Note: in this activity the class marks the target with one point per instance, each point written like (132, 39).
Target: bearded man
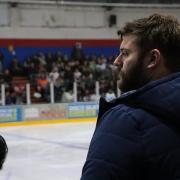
(137, 136)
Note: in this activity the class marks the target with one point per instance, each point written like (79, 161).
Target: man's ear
(154, 59)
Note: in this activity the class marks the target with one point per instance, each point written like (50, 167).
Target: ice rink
(46, 152)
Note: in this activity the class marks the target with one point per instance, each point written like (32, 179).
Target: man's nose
(118, 61)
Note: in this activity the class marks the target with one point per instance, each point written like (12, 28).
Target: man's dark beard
(135, 78)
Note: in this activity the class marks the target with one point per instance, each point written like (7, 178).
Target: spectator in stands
(77, 52)
(49, 60)
(16, 68)
(101, 64)
(92, 66)
(29, 69)
(87, 95)
(7, 77)
(42, 85)
(68, 76)
(10, 96)
(42, 59)
(53, 75)
(110, 95)
(137, 136)
(77, 75)
(58, 88)
(67, 96)
(3, 151)
(89, 82)
(1, 63)
(94, 97)
(19, 90)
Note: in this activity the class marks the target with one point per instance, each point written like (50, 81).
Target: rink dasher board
(48, 113)
(44, 122)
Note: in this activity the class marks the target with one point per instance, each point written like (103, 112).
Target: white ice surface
(46, 152)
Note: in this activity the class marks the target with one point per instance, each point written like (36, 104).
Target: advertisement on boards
(82, 110)
(10, 114)
(45, 112)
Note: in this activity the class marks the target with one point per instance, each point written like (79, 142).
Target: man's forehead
(128, 41)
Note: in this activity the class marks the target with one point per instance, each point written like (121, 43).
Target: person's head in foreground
(137, 135)
(3, 151)
(150, 49)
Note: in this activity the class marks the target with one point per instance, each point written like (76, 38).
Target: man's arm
(115, 148)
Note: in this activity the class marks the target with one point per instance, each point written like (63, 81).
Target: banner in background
(10, 114)
(45, 112)
(82, 110)
(42, 112)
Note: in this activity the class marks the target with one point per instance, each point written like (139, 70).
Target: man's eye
(124, 54)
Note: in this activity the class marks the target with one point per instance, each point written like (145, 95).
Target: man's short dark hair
(157, 31)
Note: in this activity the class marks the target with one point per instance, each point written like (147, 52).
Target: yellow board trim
(50, 121)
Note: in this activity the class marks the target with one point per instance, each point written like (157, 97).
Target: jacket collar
(134, 98)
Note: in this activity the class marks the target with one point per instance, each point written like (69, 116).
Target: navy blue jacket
(137, 136)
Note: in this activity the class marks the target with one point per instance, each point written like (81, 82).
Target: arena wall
(32, 28)
(51, 21)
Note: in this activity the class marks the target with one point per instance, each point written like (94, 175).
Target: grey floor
(46, 152)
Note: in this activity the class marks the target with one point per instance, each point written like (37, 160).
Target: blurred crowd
(61, 70)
